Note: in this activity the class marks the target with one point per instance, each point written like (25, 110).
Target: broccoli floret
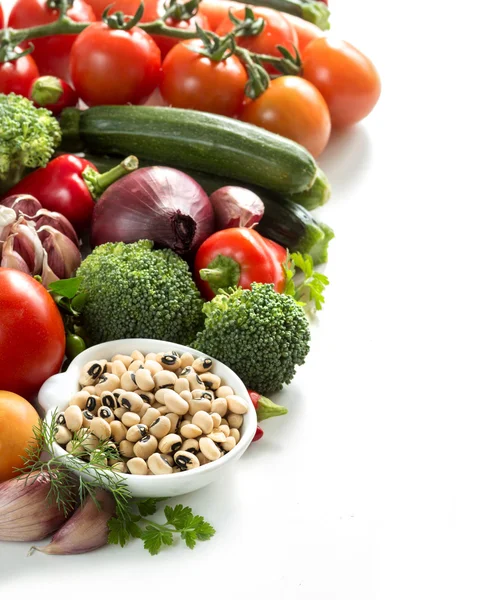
(135, 291)
(258, 333)
(28, 138)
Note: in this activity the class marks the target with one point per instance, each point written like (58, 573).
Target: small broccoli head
(135, 291)
(28, 137)
(260, 334)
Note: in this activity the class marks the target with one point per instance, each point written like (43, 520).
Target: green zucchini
(284, 221)
(189, 139)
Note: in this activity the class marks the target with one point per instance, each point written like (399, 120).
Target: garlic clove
(28, 244)
(23, 204)
(26, 514)
(48, 275)
(86, 530)
(54, 219)
(63, 255)
(7, 219)
(12, 259)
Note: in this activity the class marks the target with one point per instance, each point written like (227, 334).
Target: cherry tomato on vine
(17, 76)
(51, 53)
(294, 108)
(128, 7)
(306, 32)
(52, 93)
(1, 17)
(191, 80)
(277, 32)
(216, 10)
(112, 66)
(167, 43)
(346, 78)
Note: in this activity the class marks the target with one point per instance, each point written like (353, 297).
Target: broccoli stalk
(28, 138)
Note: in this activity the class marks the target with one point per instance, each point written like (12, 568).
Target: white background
(373, 487)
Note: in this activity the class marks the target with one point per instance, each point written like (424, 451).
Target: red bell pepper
(264, 407)
(258, 434)
(238, 257)
(69, 185)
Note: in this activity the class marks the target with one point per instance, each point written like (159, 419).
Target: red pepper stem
(98, 182)
(221, 273)
(47, 90)
(265, 408)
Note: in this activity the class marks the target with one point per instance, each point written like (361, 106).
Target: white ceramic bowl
(58, 390)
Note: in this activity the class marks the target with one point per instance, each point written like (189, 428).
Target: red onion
(155, 203)
(236, 207)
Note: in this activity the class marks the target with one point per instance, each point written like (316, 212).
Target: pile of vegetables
(186, 220)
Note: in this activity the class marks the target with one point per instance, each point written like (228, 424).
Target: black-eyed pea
(137, 355)
(147, 397)
(90, 389)
(151, 356)
(150, 416)
(170, 362)
(62, 435)
(169, 458)
(107, 399)
(127, 381)
(108, 367)
(186, 395)
(137, 466)
(223, 391)
(60, 419)
(145, 447)
(204, 421)
(87, 418)
(153, 366)
(119, 412)
(176, 469)
(217, 436)
(210, 380)
(235, 433)
(91, 372)
(175, 403)
(143, 409)
(136, 365)
(202, 459)
(116, 394)
(163, 410)
(123, 358)
(209, 448)
(118, 431)
(184, 422)
(234, 420)
(225, 429)
(181, 385)
(186, 360)
(137, 432)
(107, 383)
(202, 365)
(220, 406)
(216, 417)
(186, 460)
(98, 458)
(79, 399)
(106, 413)
(119, 467)
(126, 448)
(100, 428)
(228, 444)
(174, 421)
(93, 403)
(170, 443)
(159, 465)
(195, 382)
(165, 380)
(131, 401)
(190, 445)
(237, 405)
(118, 368)
(199, 404)
(224, 421)
(160, 396)
(90, 442)
(74, 417)
(160, 427)
(75, 448)
(129, 419)
(144, 380)
(190, 431)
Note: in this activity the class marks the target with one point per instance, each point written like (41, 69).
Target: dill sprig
(68, 486)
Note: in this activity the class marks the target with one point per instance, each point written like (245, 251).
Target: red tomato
(17, 76)
(345, 77)
(216, 10)
(32, 339)
(294, 108)
(306, 32)
(51, 53)
(191, 80)
(1, 17)
(167, 43)
(128, 7)
(111, 66)
(277, 32)
(52, 93)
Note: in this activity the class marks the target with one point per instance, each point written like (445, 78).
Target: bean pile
(159, 413)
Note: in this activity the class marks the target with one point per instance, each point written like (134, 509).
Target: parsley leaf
(154, 538)
(178, 516)
(118, 532)
(304, 284)
(148, 506)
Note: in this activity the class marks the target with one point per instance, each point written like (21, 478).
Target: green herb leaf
(66, 287)
(154, 538)
(118, 532)
(179, 516)
(148, 506)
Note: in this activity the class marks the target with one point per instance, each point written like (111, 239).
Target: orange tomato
(216, 10)
(294, 108)
(306, 32)
(346, 78)
(17, 419)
